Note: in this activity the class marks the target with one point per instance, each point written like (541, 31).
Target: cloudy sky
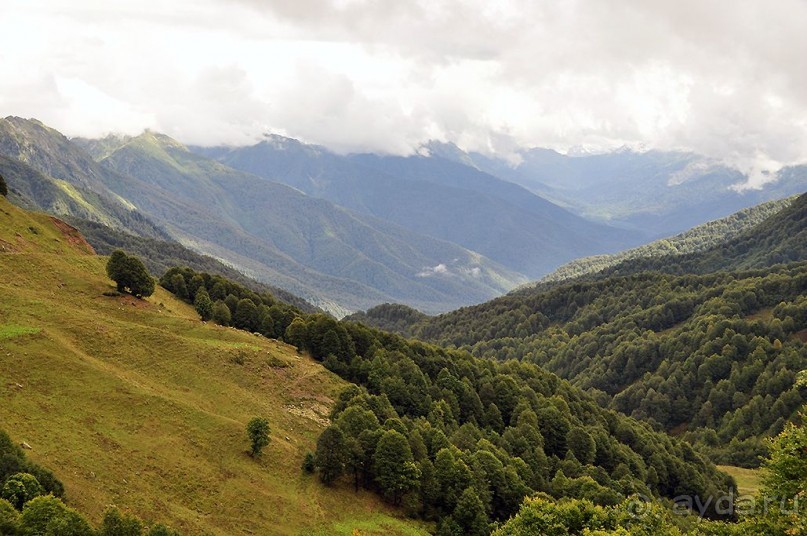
(726, 78)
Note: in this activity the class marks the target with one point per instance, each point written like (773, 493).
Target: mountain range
(437, 197)
(659, 192)
(437, 230)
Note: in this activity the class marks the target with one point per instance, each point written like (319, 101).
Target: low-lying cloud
(725, 79)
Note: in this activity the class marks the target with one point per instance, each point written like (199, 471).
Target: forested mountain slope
(696, 239)
(137, 403)
(450, 436)
(713, 355)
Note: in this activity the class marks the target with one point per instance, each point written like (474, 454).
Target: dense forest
(458, 438)
(710, 355)
(778, 509)
(713, 355)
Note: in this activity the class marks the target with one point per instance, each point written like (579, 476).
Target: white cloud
(440, 269)
(727, 79)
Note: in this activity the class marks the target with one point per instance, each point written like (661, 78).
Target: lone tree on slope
(258, 432)
(130, 274)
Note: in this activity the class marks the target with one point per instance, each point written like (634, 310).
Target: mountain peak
(447, 150)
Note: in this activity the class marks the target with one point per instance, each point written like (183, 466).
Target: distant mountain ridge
(660, 192)
(697, 239)
(332, 257)
(778, 239)
(437, 197)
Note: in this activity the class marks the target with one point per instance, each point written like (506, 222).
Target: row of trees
(463, 439)
(229, 303)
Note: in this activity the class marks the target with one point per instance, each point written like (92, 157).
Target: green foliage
(786, 468)
(470, 514)
(21, 488)
(9, 518)
(130, 274)
(331, 454)
(246, 315)
(48, 516)
(394, 466)
(203, 304)
(117, 524)
(3, 187)
(777, 511)
(309, 463)
(430, 401)
(235, 304)
(713, 356)
(220, 313)
(258, 433)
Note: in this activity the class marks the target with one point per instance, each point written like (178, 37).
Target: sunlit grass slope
(139, 404)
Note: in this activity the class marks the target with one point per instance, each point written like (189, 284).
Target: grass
(139, 404)
(11, 331)
(749, 481)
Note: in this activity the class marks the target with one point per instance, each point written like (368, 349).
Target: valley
(622, 375)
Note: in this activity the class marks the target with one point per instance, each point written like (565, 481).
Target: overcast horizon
(725, 80)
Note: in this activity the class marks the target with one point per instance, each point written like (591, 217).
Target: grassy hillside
(161, 255)
(138, 404)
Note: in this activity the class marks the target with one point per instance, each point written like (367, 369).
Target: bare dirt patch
(73, 236)
(7, 247)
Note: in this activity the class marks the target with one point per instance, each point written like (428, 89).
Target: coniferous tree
(3, 187)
